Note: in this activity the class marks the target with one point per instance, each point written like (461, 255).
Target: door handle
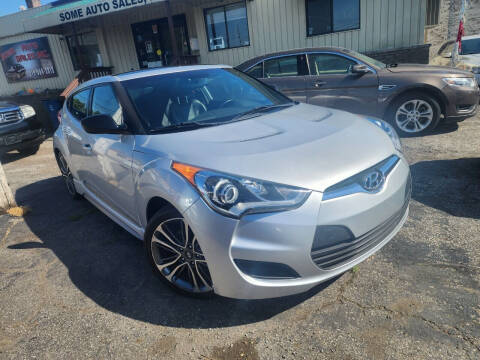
(87, 148)
(319, 83)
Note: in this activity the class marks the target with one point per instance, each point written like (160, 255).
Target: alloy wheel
(179, 258)
(66, 174)
(414, 116)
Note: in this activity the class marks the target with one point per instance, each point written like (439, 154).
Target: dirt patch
(241, 350)
(163, 346)
(407, 306)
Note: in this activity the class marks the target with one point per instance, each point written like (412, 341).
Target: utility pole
(460, 32)
(7, 200)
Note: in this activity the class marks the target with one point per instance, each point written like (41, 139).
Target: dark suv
(20, 129)
(411, 97)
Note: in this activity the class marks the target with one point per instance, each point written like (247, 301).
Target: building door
(152, 41)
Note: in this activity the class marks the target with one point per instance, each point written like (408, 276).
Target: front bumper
(462, 104)
(21, 134)
(286, 237)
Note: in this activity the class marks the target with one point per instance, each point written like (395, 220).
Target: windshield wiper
(185, 126)
(259, 110)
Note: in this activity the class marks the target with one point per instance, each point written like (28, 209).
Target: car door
(331, 83)
(287, 75)
(109, 167)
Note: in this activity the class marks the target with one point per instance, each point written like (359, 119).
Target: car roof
(245, 65)
(146, 73)
(471, 37)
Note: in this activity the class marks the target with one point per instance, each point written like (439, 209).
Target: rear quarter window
(78, 104)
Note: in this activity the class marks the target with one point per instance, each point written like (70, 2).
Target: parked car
(234, 188)
(410, 97)
(20, 129)
(468, 58)
(15, 72)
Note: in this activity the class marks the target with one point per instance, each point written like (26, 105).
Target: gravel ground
(75, 285)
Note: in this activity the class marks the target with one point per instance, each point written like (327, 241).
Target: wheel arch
(157, 187)
(156, 204)
(421, 88)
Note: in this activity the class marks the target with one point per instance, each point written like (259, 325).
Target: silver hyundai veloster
(234, 188)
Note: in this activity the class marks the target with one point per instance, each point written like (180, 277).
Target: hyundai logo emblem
(373, 181)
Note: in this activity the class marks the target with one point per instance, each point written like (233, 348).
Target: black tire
(411, 122)
(67, 176)
(180, 265)
(29, 151)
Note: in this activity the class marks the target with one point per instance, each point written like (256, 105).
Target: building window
(88, 53)
(227, 26)
(328, 16)
(433, 10)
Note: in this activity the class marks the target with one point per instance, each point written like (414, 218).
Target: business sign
(98, 8)
(27, 60)
(62, 12)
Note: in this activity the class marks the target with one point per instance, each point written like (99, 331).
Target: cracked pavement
(75, 285)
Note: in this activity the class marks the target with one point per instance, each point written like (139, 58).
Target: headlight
(461, 82)
(27, 111)
(390, 132)
(236, 195)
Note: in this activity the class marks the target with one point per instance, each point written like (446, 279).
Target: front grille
(10, 116)
(345, 250)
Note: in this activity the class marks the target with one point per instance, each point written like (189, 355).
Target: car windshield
(199, 97)
(366, 59)
(470, 46)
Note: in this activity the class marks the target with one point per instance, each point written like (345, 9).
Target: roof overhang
(63, 12)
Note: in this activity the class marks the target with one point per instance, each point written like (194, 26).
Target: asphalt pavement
(74, 285)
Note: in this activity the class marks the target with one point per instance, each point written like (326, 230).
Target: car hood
(427, 69)
(6, 105)
(306, 146)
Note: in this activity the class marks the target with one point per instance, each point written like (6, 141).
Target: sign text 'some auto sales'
(27, 60)
(98, 9)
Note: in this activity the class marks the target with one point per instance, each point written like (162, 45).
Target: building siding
(277, 25)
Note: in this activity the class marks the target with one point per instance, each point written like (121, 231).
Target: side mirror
(102, 124)
(359, 69)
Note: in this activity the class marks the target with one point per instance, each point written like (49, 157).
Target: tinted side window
(326, 64)
(256, 71)
(104, 102)
(78, 104)
(293, 65)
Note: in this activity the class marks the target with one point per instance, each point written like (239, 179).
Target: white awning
(64, 12)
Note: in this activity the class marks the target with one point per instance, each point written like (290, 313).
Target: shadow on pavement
(12, 156)
(444, 127)
(109, 266)
(452, 186)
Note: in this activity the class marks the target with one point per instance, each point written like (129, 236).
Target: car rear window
(78, 104)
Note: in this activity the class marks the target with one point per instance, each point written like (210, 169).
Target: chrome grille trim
(10, 116)
(352, 184)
